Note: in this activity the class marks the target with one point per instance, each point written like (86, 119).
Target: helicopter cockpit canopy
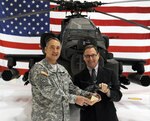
(77, 33)
(80, 23)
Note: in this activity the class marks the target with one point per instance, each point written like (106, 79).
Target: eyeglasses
(92, 56)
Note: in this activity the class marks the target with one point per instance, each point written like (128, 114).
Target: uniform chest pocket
(64, 79)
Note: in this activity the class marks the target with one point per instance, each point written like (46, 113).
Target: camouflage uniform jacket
(52, 91)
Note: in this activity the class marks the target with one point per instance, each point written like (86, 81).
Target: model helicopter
(77, 31)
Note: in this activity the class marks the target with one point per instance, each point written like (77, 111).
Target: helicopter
(77, 31)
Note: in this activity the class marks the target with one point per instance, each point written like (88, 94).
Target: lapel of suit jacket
(87, 76)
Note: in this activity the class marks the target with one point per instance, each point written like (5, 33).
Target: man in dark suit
(108, 87)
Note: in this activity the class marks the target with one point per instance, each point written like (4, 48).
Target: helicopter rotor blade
(101, 2)
(129, 21)
(34, 13)
(123, 1)
(29, 13)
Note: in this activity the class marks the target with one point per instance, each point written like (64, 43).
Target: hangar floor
(15, 103)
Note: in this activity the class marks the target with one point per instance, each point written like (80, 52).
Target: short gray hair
(51, 38)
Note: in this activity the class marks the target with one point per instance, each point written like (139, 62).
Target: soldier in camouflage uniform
(52, 87)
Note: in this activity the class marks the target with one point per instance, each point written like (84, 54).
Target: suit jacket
(105, 109)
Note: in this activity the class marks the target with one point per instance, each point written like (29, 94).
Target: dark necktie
(93, 76)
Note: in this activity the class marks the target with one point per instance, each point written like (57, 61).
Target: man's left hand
(104, 87)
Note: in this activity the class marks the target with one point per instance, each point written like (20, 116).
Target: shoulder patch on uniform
(44, 73)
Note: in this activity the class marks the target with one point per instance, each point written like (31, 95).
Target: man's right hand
(80, 100)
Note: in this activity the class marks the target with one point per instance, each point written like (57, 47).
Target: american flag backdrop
(22, 35)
